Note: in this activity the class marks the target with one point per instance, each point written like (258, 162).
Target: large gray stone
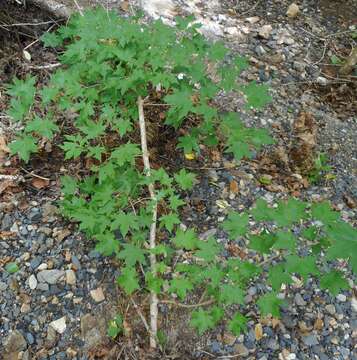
(50, 276)
(15, 342)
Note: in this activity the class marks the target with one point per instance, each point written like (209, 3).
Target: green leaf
(185, 179)
(180, 286)
(125, 222)
(132, 254)
(115, 327)
(269, 304)
(241, 272)
(310, 233)
(323, 212)
(238, 324)
(304, 266)
(262, 212)
(231, 294)
(290, 212)
(128, 280)
(208, 250)
(278, 276)
(169, 221)
(175, 202)
(69, 185)
(74, 147)
(186, 239)
(93, 129)
(188, 143)
(239, 149)
(125, 154)
(44, 127)
(181, 105)
(24, 147)
(217, 51)
(262, 243)
(11, 267)
(257, 95)
(344, 243)
(202, 321)
(51, 39)
(285, 240)
(153, 283)
(107, 243)
(235, 225)
(334, 282)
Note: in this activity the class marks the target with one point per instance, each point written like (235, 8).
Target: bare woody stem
(147, 169)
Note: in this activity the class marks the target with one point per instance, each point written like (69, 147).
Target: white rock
(70, 277)
(354, 304)
(293, 11)
(97, 294)
(59, 325)
(322, 81)
(252, 20)
(42, 266)
(265, 31)
(232, 30)
(341, 297)
(158, 8)
(32, 282)
(50, 276)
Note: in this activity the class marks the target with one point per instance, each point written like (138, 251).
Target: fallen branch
(147, 169)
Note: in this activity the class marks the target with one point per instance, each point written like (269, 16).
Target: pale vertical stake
(147, 169)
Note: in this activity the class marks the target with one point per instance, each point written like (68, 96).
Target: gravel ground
(57, 305)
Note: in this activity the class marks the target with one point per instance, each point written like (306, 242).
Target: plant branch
(188, 306)
(153, 296)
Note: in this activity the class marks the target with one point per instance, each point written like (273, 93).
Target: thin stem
(188, 306)
(153, 296)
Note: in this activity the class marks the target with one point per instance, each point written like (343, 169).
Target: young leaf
(290, 212)
(186, 239)
(185, 179)
(262, 243)
(322, 211)
(24, 147)
(208, 250)
(202, 321)
(344, 243)
(125, 153)
(238, 324)
(334, 282)
(278, 276)
(115, 327)
(175, 202)
(304, 266)
(125, 222)
(132, 254)
(231, 294)
(285, 240)
(44, 127)
(69, 185)
(153, 283)
(180, 286)
(236, 225)
(262, 212)
(128, 280)
(169, 221)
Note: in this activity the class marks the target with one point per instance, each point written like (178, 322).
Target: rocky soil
(57, 305)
